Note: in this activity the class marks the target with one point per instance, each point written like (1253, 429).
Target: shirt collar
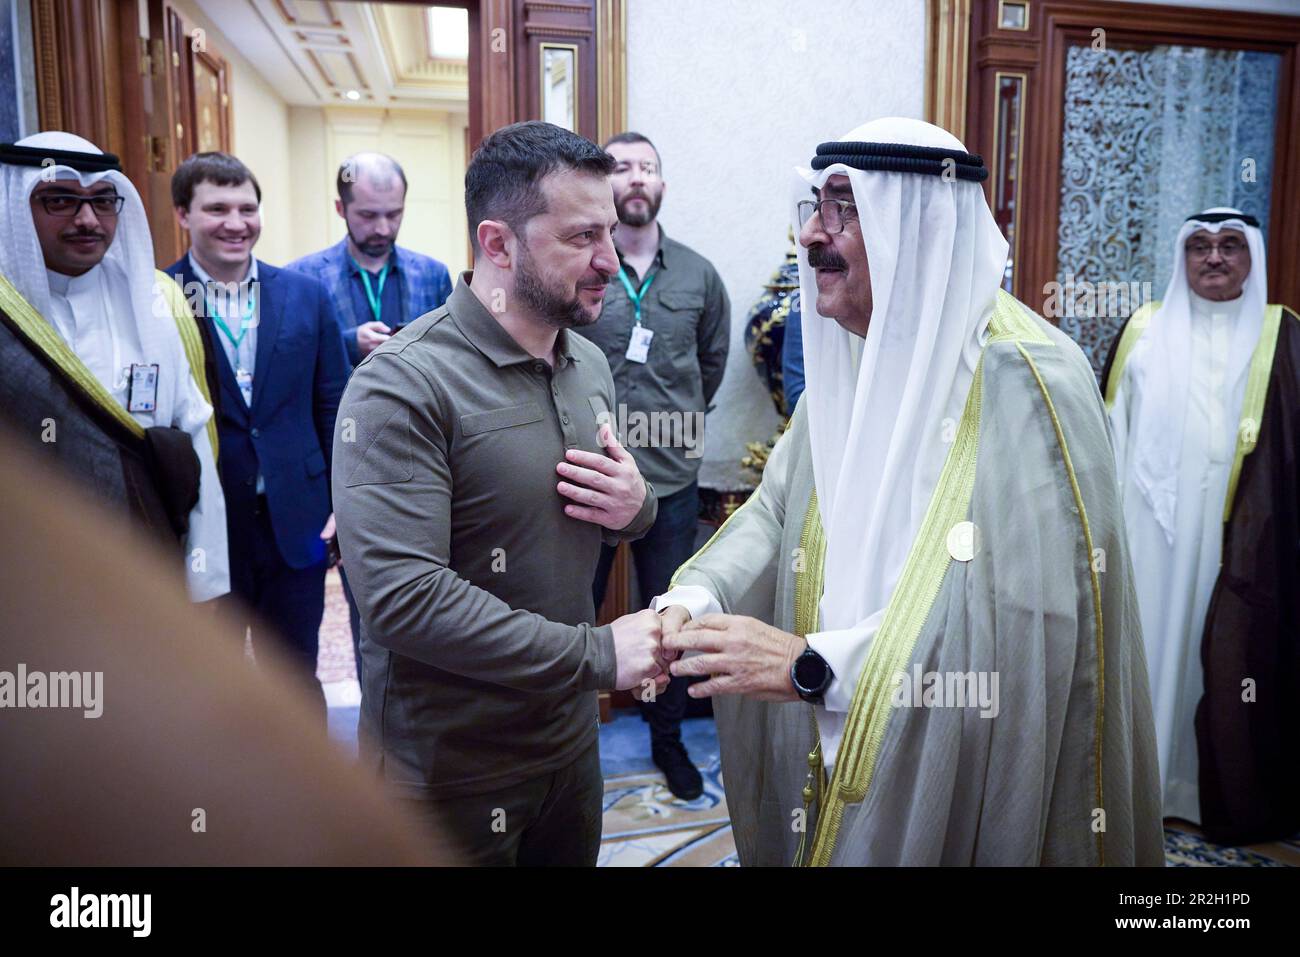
(660, 260)
(489, 336)
(250, 276)
(59, 282)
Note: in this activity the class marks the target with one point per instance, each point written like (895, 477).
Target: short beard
(373, 249)
(639, 219)
(554, 308)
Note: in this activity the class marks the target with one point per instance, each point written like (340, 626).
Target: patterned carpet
(1185, 847)
(645, 826)
(335, 662)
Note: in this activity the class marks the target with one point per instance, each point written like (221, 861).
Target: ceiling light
(448, 33)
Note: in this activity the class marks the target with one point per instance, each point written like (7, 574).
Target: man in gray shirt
(665, 331)
(475, 480)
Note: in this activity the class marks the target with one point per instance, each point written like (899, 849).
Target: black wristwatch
(811, 676)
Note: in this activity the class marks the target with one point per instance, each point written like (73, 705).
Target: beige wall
(735, 94)
(431, 148)
(312, 187)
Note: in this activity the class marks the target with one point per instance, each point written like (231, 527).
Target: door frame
(964, 34)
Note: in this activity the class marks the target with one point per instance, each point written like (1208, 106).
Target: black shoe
(684, 778)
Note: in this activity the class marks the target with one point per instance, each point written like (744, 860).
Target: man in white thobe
(1207, 473)
(112, 395)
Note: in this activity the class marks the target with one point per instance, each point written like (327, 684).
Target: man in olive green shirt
(475, 481)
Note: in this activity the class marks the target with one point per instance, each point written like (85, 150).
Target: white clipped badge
(638, 348)
(143, 396)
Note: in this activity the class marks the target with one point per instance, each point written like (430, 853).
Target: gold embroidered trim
(922, 576)
(192, 342)
(48, 340)
(1133, 330)
(1096, 588)
(1252, 405)
(919, 585)
(1012, 322)
(808, 584)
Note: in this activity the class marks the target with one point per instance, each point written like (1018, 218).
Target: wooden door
(190, 112)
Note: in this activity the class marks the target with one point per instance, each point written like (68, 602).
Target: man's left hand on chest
(607, 490)
(742, 655)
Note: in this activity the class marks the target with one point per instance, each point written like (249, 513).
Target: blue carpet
(343, 728)
(625, 743)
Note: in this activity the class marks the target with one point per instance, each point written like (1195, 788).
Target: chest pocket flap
(472, 423)
(681, 299)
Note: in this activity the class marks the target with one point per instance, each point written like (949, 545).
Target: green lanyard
(636, 297)
(245, 324)
(376, 298)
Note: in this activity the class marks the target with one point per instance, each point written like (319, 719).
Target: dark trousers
(664, 549)
(552, 820)
(354, 619)
(287, 603)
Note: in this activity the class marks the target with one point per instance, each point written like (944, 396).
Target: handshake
(639, 647)
(739, 655)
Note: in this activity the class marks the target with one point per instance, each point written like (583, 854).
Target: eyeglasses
(68, 205)
(834, 213)
(1228, 249)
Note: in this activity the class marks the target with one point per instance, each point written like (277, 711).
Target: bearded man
(476, 476)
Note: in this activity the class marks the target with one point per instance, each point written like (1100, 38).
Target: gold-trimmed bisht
(910, 605)
(808, 584)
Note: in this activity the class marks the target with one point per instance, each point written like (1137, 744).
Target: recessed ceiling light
(448, 32)
(352, 95)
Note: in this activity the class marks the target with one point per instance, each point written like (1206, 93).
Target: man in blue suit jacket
(282, 369)
(377, 286)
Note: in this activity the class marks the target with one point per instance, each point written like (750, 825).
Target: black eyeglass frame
(117, 199)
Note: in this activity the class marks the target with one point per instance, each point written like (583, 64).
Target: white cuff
(696, 599)
(845, 650)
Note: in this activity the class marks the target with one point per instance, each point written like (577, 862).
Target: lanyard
(376, 298)
(636, 297)
(245, 324)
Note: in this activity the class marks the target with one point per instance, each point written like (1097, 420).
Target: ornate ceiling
(334, 53)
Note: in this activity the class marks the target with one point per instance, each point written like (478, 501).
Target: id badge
(638, 349)
(244, 379)
(143, 396)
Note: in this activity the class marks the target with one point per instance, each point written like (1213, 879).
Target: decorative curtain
(1150, 137)
(10, 75)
